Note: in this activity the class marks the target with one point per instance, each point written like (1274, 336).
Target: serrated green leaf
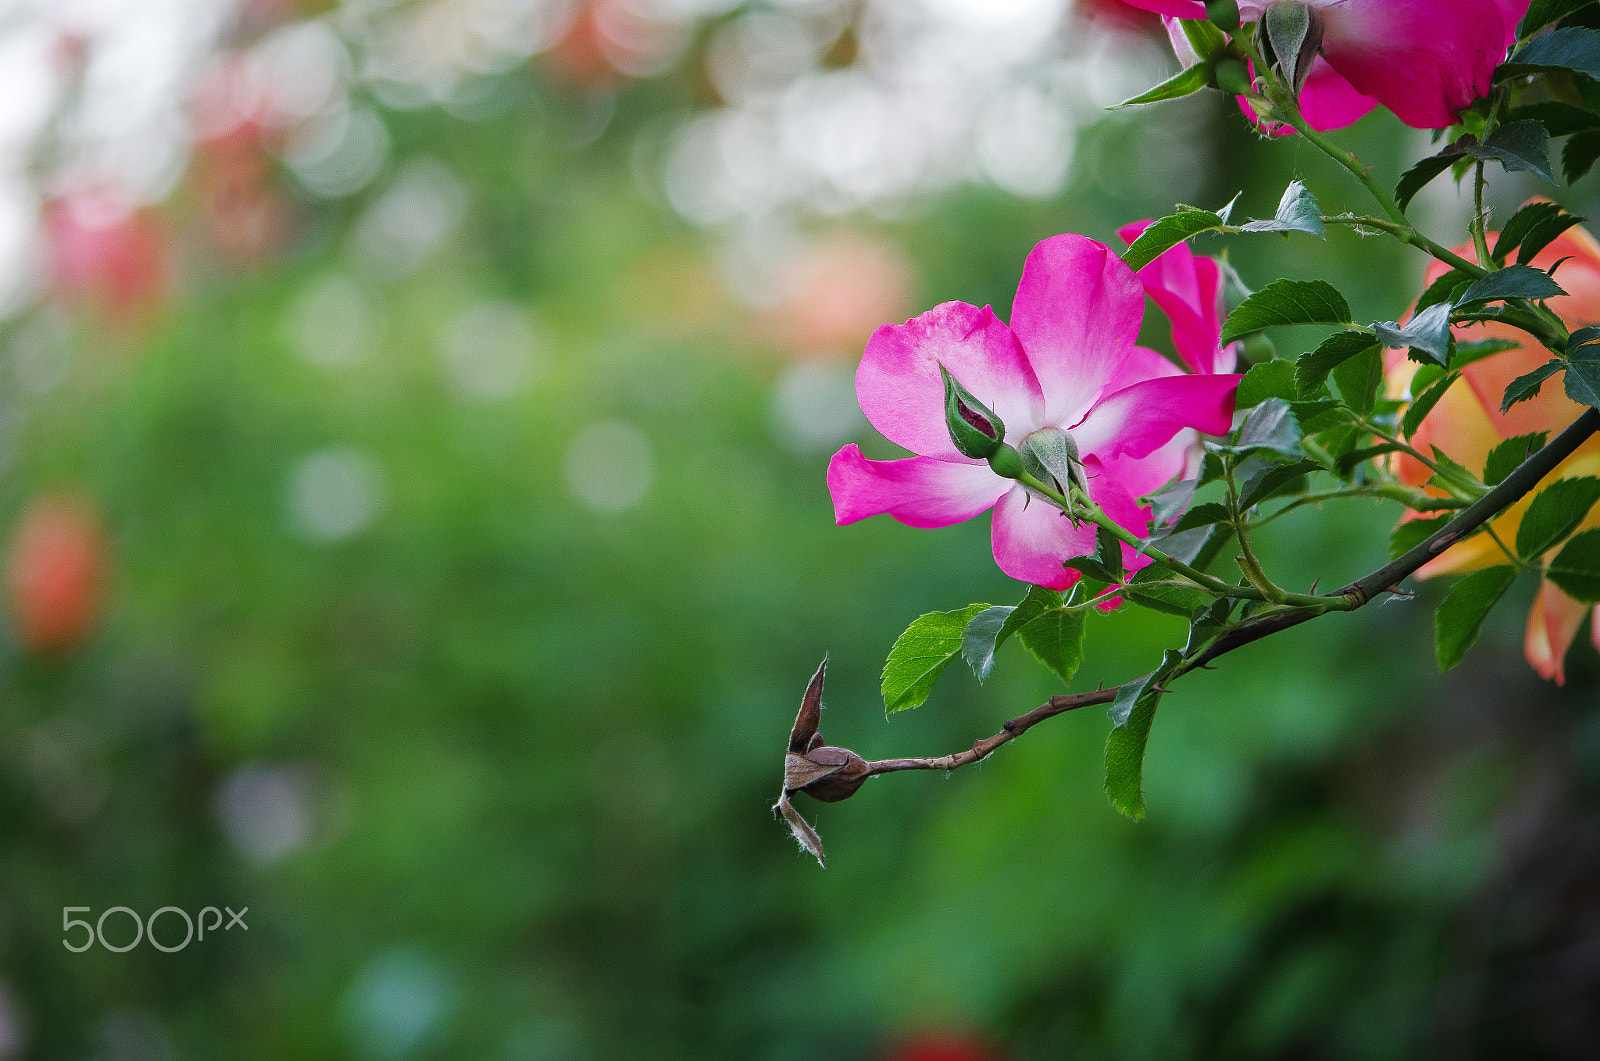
(1574, 48)
(1270, 480)
(921, 654)
(1423, 404)
(1163, 591)
(1541, 13)
(1583, 374)
(1578, 156)
(1576, 569)
(1516, 146)
(1556, 512)
(1201, 516)
(1359, 379)
(1521, 223)
(1428, 333)
(1543, 234)
(1420, 175)
(1286, 302)
(1167, 233)
(1461, 613)
(1509, 454)
(990, 628)
(1273, 426)
(1514, 281)
(1558, 118)
(1526, 386)
(1297, 212)
(1270, 379)
(1445, 289)
(1106, 563)
(1413, 532)
(1349, 462)
(1455, 474)
(1125, 754)
(1184, 83)
(1311, 370)
(1171, 500)
(1056, 639)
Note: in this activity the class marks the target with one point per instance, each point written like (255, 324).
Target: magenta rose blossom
(1423, 59)
(1067, 361)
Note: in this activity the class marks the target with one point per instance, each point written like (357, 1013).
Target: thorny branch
(831, 774)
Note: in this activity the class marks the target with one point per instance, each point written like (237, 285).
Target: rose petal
(917, 491)
(1077, 313)
(1175, 8)
(1424, 60)
(1031, 539)
(1553, 623)
(1138, 420)
(902, 393)
(1188, 288)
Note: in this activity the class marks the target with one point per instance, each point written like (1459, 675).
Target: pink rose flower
(1423, 59)
(1067, 361)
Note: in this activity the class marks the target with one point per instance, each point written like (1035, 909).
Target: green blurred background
(417, 534)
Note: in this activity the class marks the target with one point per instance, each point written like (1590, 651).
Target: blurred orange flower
(55, 571)
(1467, 424)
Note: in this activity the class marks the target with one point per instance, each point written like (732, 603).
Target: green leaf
(1167, 233)
(1509, 454)
(1445, 289)
(1558, 119)
(1583, 373)
(1524, 387)
(1312, 369)
(1427, 333)
(1455, 474)
(1577, 568)
(1413, 532)
(1349, 462)
(1297, 212)
(1423, 404)
(1270, 379)
(1106, 563)
(1271, 425)
(990, 628)
(1419, 176)
(921, 654)
(1521, 223)
(1056, 640)
(1155, 586)
(1271, 480)
(1514, 281)
(1556, 512)
(1573, 48)
(1578, 156)
(1461, 613)
(1286, 302)
(1543, 12)
(1125, 751)
(1172, 500)
(1184, 83)
(1543, 234)
(1516, 146)
(1359, 378)
(1202, 516)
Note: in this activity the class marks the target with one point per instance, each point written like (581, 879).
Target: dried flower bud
(822, 772)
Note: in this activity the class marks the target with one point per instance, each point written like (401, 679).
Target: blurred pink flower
(101, 250)
(1067, 361)
(55, 568)
(1423, 59)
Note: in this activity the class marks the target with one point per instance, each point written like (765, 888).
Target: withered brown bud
(819, 770)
